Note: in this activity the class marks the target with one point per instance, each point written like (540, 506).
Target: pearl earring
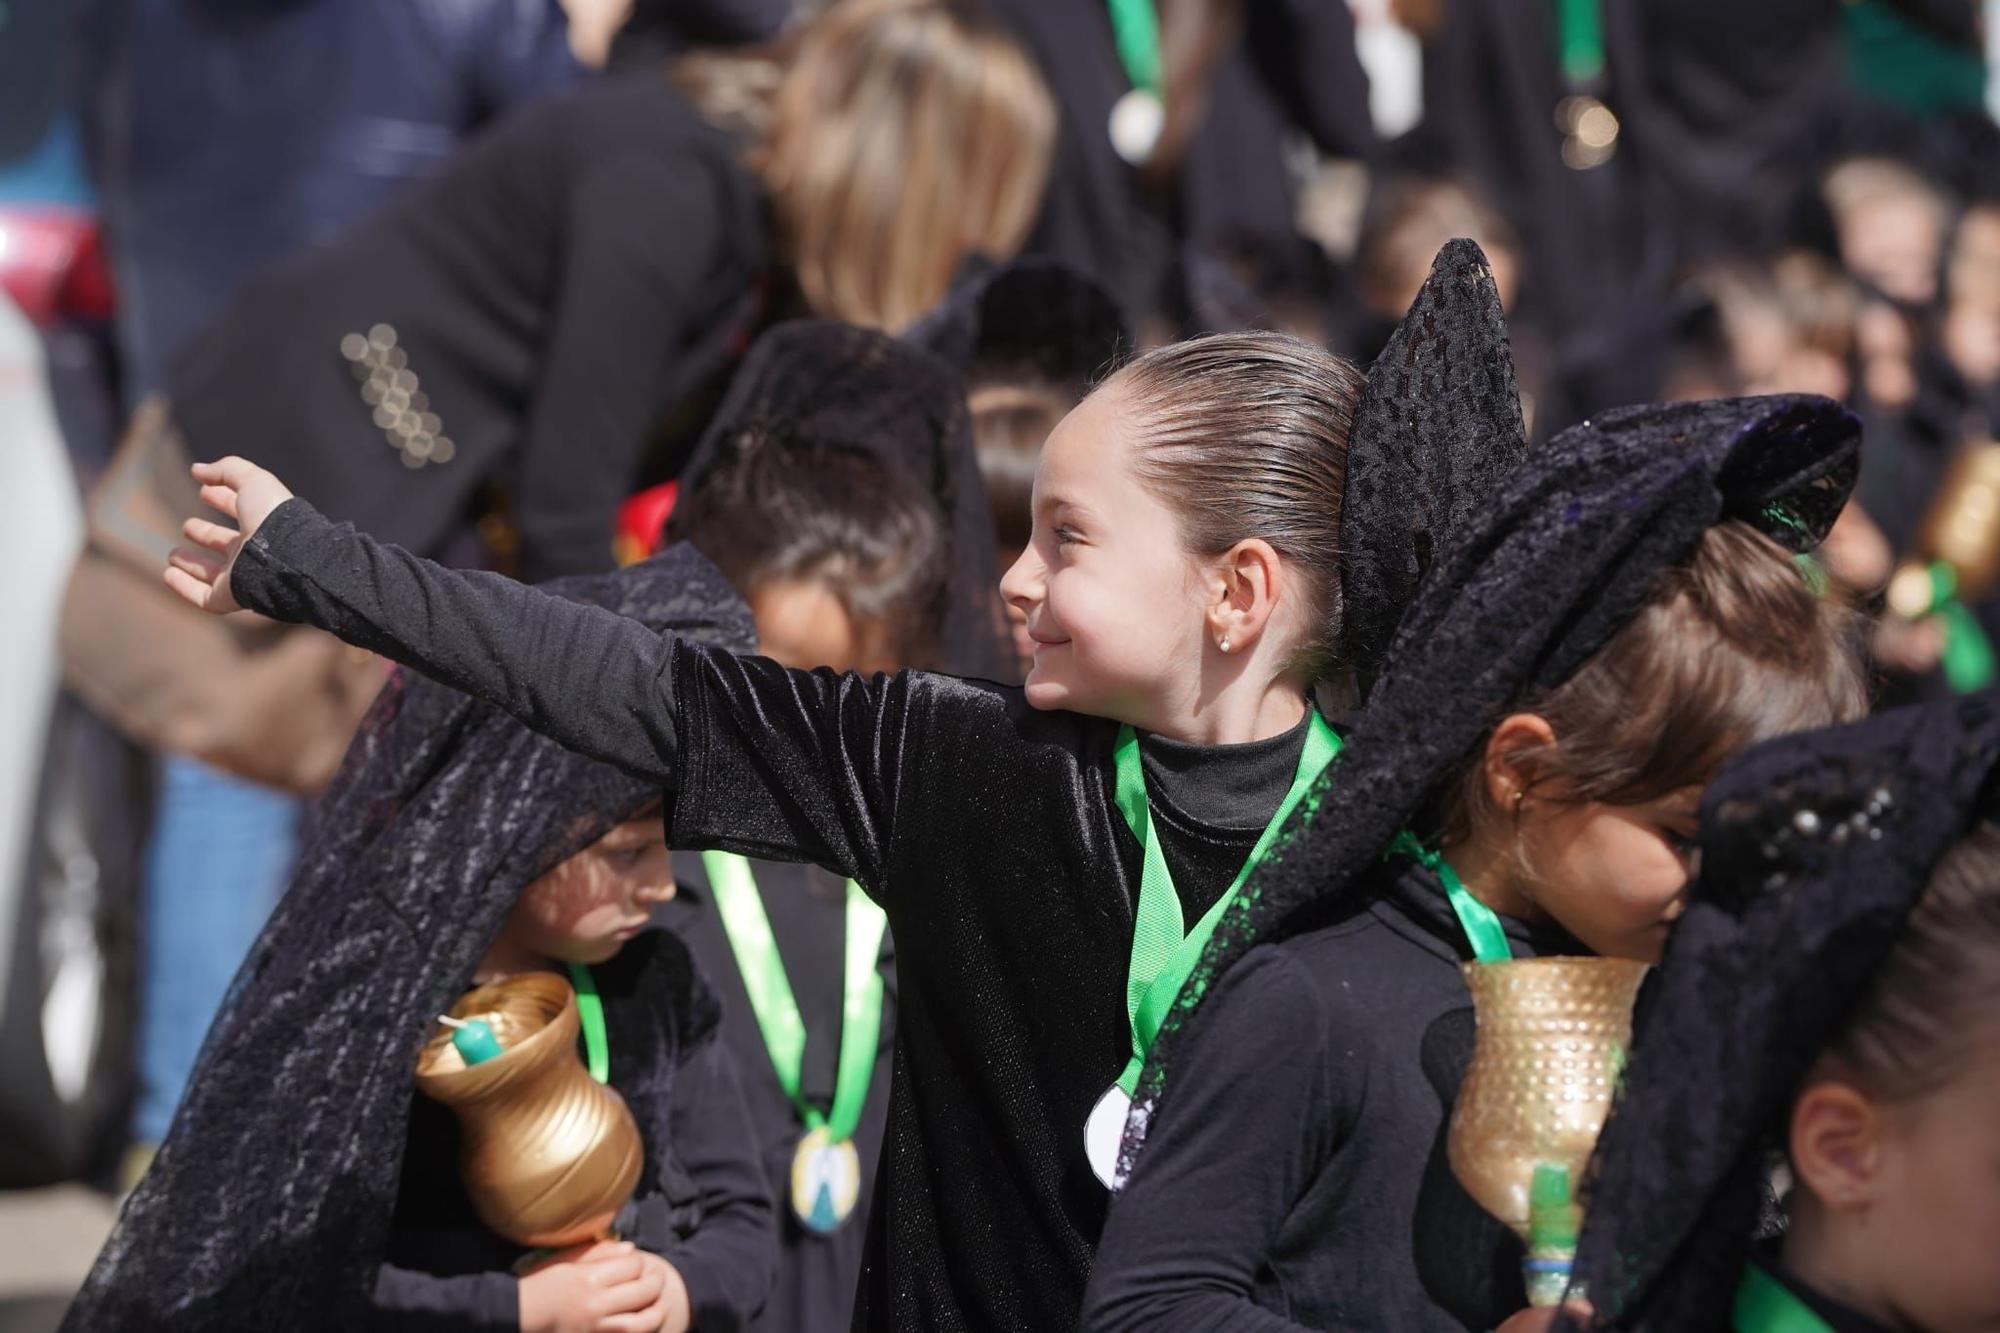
(1224, 645)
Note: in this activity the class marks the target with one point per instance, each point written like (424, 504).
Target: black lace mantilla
(270, 1201)
(1553, 564)
(1814, 849)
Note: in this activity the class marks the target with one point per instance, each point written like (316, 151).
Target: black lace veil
(1814, 849)
(269, 1203)
(1537, 578)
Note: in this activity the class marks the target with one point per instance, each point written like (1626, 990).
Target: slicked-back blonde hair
(905, 136)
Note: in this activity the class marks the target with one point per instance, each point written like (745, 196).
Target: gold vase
(1961, 529)
(1551, 1043)
(550, 1154)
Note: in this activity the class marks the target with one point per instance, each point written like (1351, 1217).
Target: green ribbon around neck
(1766, 1305)
(1968, 661)
(590, 1013)
(1580, 39)
(1135, 26)
(748, 927)
(1481, 924)
(1163, 951)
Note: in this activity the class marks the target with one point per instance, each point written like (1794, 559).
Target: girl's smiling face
(1111, 598)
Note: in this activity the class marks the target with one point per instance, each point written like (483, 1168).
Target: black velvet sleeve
(1252, 1119)
(757, 758)
(731, 1260)
(590, 678)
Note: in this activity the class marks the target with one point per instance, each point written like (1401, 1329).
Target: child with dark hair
(1199, 562)
(1834, 997)
(846, 563)
(1567, 680)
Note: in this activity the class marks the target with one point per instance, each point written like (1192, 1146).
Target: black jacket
(567, 280)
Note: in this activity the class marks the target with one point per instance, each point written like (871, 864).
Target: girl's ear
(1246, 585)
(1836, 1143)
(1508, 765)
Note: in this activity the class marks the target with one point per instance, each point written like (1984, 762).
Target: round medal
(1137, 119)
(826, 1181)
(1104, 1131)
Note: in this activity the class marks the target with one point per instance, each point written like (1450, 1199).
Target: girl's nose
(1021, 585)
(660, 891)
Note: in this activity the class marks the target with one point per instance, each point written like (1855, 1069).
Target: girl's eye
(1685, 845)
(1065, 536)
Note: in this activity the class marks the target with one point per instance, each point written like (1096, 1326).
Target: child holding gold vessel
(1522, 783)
(306, 1183)
(1192, 575)
(1834, 997)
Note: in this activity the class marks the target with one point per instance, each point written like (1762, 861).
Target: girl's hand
(672, 1313)
(1544, 1319)
(241, 490)
(589, 1288)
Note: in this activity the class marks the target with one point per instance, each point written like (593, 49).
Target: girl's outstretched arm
(590, 678)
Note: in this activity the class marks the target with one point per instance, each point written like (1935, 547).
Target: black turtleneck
(1297, 1176)
(1211, 803)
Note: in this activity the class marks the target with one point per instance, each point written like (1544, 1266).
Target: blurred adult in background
(211, 157)
(565, 286)
(1138, 196)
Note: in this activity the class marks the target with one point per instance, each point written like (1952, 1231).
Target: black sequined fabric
(1814, 848)
(817, 383)
(1437, 432)
(270, 1201)
(1561, 557)
(1035, 315)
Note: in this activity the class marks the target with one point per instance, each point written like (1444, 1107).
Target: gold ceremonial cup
(1962, 528)
(550, 1155)
(1551, 1044)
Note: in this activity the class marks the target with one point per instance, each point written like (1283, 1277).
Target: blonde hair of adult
(901, 137)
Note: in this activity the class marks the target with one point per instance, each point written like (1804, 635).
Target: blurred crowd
(478, 275)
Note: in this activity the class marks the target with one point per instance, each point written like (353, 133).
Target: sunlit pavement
(47, 1239)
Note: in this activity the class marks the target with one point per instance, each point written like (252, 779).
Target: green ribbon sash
(1135, 26)
(1766, 1305)
(590, 1013)
(1163, 951)
(1482, 927)
(748, 927)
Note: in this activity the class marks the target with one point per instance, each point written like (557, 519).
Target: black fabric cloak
(1814, 849)
(270, 1201)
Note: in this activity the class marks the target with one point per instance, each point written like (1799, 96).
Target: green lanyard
(1580, 39)
(1135, 26)
(1766, 1305)
(1163, 953)
(1482, 927)
(590, 1012)
(748, 927)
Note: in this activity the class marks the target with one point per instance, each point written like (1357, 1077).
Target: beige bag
(273, 703)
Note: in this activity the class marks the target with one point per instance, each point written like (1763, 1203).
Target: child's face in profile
(585, 909)
(1614, 876)
(1108, 594)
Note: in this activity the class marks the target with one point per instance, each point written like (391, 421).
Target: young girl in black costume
(305, 1182)
(847, 560)
(1199, 560)
(1834, 995)
(1606, 648)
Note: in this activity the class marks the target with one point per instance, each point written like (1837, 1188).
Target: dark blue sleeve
(730, 1261)
(473, 1303)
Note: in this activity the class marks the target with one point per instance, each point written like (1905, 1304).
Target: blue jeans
(220, 856)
